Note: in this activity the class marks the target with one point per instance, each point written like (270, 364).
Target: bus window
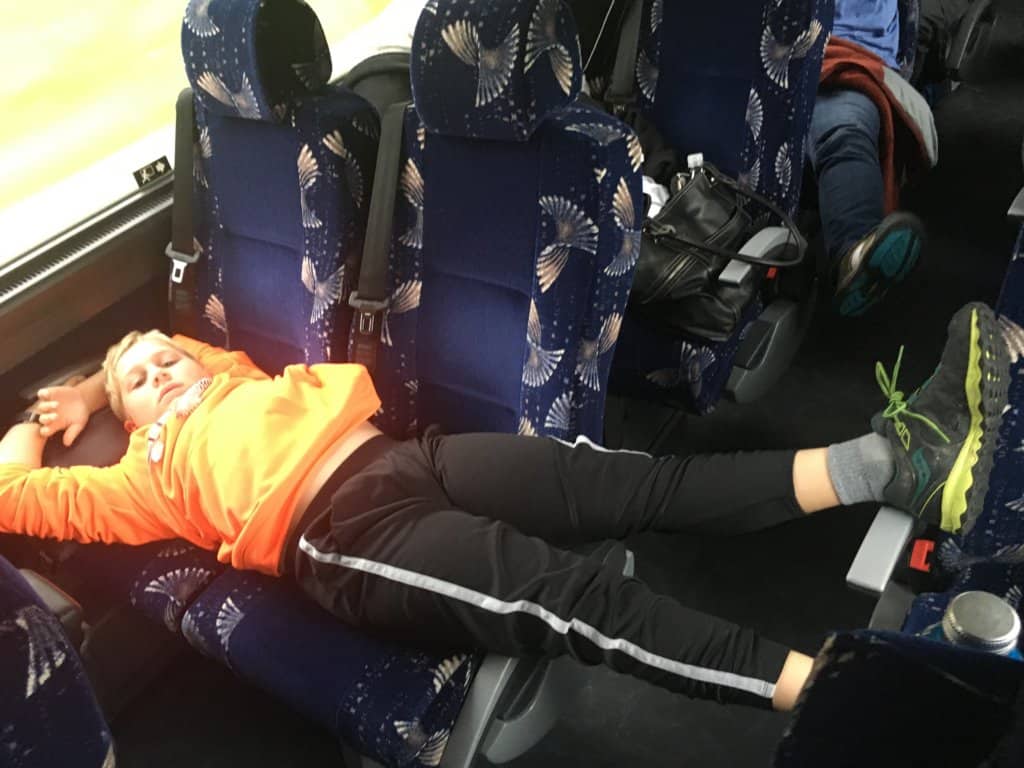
(89, 98)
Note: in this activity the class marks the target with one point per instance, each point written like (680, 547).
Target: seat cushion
(390, 703)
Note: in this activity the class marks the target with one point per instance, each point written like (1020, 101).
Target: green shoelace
(898, 407)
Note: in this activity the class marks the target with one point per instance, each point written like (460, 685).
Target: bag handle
(660, 231)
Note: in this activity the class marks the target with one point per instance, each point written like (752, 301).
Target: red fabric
(901, 149)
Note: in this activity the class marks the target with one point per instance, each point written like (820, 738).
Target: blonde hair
(114, 355)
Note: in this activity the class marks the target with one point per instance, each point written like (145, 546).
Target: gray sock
(861, 468)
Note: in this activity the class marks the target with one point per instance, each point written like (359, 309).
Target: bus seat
(283, 171)
(49, 713)
(735, 81)
(516, 223)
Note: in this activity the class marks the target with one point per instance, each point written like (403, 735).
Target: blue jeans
(842, 146)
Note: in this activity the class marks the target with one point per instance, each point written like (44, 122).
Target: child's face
(152, 376)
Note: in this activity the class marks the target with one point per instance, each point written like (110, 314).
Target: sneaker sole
(892, 259)
(986, 387)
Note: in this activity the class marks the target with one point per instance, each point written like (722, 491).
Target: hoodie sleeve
(78, 503)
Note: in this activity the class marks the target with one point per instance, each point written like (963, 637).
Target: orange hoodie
(230, 472)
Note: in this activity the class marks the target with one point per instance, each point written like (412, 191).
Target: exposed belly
(333, 458)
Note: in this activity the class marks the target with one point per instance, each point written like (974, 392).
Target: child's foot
(944, 436)
(882, 258)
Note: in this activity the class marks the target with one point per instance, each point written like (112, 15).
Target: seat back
(749, 70)
(49, 713)
(887, 699)
(515, 231)
(282, 175)
(735, 81)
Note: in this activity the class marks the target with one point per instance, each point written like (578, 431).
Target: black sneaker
(882, 258)
(944, 436)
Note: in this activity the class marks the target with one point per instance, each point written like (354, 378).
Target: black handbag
(685, 248)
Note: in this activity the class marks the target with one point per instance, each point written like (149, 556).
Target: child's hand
(62, 408)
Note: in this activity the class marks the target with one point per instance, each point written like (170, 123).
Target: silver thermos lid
(983, 621)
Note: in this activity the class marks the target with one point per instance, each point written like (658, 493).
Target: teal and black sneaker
(944, 436)
(882, 258)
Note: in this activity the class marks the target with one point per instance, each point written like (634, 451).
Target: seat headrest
(253, 58)
(494, 69)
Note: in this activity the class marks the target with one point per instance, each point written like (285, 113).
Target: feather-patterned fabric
(242, 218)
(548, 284)
(754, 102)
(494, 70)
(49, 713)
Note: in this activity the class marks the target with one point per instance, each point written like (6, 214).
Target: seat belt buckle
(368, 311)
(179, 262)
(919, 555)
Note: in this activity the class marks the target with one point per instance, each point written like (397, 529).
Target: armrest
(770, 242)
(1016, 212)
(513, 702)
(880, 551)
(975, 23)
(60, 604)
(82, 368)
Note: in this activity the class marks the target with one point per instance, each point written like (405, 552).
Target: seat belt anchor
(369, 310)
(179, 261)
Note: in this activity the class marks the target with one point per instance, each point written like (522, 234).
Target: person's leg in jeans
(869, 250)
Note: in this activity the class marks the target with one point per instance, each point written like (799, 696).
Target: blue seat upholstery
(283, 170)
(515, 234)
(48, 714)
(735, 81)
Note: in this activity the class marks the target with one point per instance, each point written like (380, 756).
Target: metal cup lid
(981, 620)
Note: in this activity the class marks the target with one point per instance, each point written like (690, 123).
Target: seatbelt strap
(621, 92)
(370, 299)
(181, 250)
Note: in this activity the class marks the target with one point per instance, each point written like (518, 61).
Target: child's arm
(23, 444)
(76, 503)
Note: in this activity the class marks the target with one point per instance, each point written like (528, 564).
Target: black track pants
(455, 542)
